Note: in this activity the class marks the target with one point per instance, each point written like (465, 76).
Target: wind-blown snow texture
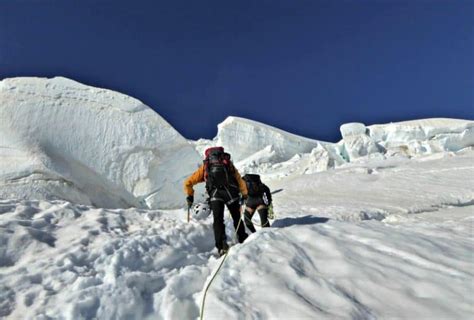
(64, 140)
(379, 225)
(366, 241)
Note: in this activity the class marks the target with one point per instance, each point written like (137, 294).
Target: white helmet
(200, 211)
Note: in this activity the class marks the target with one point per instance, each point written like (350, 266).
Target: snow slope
(381, 239)
(388, 233)
(378, 239)
(60, 139)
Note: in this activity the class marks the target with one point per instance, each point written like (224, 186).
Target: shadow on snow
(292, 221)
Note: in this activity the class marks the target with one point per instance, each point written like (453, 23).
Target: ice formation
(64, 140)
(426, 136)
(386, 234)
(264, 149)
(246, 137)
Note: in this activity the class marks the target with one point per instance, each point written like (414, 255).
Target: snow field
(68, 261)
(381, 189)
(378, 225)
(336, 250)
(311, 268)
(389, 238)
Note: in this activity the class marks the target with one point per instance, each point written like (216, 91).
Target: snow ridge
(245, 137)
(114, 152)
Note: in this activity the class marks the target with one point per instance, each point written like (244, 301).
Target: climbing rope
(217, 271)
(203, 303)
(256, 224)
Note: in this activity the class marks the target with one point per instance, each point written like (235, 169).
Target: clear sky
(303, 66)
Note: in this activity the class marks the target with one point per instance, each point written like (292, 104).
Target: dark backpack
(218, 172)
(254, 185)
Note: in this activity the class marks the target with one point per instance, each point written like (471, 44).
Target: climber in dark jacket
(259, 199)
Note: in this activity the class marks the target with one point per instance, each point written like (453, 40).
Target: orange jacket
(198, 177)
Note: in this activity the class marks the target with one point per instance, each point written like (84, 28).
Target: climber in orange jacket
(225, 187)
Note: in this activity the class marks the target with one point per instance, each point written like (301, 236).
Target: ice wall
(259, 148)
(245, 137)
(409, 138)
(63, 139)
(425, 136)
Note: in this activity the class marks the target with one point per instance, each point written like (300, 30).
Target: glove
(190, 200)
(271, 214)
(243, 199)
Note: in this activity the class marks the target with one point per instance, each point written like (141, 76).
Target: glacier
(259, 148)
(377, 225)
(64, 140)
(373, 240)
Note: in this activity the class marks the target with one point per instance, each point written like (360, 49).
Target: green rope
(217, 271)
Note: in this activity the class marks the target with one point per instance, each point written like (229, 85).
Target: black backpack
(254, 185)
(218, 172)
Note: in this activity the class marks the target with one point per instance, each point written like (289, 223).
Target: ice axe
(276, 191)
(189, 200)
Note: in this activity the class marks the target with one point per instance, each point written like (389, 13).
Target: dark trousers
(263, 213)
(217, 208)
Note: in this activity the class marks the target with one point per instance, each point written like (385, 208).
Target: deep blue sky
(303, 66)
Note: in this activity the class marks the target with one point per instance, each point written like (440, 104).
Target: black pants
(217, 208)
(263, 213)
